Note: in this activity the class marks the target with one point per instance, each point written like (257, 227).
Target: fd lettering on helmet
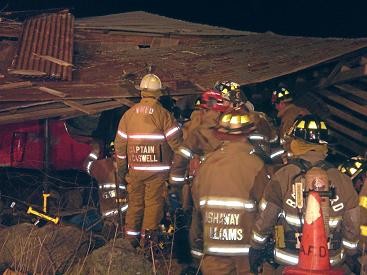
(223, 226)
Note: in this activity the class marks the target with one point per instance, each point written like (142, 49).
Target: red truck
(62, 156)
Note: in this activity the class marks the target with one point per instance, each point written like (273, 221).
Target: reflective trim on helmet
(120, 156)
(132, 233)
(277, 153)
(171, 131)
(363, 201)
(363, 230)
(150, 168)
(147, 136)
(350, 244)
(229, 250)
(178, 179)
(122, 134)
(185, 152)
(258, 237)
(262, 205)
(246, 204)
(196, 253)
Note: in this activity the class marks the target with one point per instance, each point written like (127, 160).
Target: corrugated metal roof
(45, 47)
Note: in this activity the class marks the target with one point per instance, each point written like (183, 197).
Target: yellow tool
(45, 196)
(43, 216)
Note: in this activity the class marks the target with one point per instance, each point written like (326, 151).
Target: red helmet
(212, 100)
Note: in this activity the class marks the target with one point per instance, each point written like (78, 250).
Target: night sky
(323, 18)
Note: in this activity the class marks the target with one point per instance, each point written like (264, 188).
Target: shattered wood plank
(52, 91)
(14, 85)
(52, 59)
(326, 82)
(343, 101)
(352, 90)
(17, 107)
(78, 106)
(57, 112)
(350, 74)
(27, 72)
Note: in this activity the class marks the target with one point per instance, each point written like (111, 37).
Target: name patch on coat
(223, 226)
(144, 153)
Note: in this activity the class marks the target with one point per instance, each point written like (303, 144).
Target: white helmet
(150, 82)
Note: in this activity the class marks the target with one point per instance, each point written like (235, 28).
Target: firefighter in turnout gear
(147, 136)
(287, 111)
(282, 206)
(200, 139)
(356, 169)
(225, 198)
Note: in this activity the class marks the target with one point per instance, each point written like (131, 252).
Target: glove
(256, 258)
(174, 198)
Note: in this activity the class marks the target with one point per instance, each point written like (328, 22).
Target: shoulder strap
(323, 164)
(304, 165)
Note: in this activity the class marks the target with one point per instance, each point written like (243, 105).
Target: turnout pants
(147, 192)
(225, 265)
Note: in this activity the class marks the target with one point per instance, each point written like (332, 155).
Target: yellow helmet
(236, 122)
(353, 167)
(150, 85)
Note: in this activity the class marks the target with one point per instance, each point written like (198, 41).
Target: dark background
(322, 18)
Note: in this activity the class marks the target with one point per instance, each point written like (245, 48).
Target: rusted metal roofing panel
(46, 47)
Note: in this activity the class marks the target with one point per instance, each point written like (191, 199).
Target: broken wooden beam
(352, 90)
(14, 85)
(348, 75)
(52, 91)
(78, 106)
(347, 117)
(342, 101)
(55, 112)
(347, 131)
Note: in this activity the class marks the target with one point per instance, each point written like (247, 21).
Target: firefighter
(356, 169)
(225, 196)
(282, 98)
(265, 133)
(147, 136)
(200, 139)
(282, 203)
